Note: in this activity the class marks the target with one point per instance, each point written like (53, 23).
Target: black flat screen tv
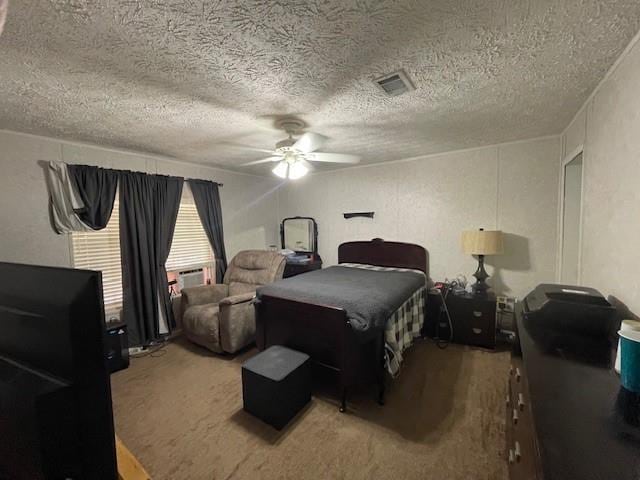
(56, 419)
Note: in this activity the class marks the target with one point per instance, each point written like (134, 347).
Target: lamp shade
(482, 242)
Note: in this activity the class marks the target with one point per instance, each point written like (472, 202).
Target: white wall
(249, 202)
(608, 126)
(430, 201)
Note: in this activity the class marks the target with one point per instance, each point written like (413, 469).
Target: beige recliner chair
(221, 317)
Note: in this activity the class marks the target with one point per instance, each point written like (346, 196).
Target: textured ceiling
(190, 78)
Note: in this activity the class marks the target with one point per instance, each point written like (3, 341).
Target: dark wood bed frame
(324, 332)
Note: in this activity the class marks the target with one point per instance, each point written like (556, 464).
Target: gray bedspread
(368, 296)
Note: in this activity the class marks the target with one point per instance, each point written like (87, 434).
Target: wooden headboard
(385, 254)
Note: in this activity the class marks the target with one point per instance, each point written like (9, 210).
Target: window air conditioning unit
(191, 278)
(113, 315)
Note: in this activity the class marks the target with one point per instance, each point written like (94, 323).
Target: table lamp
(482, 242)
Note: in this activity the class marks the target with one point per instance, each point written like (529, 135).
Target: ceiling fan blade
(332, 157)
(262, 160)
(308, 165)
(309, 142)
(239, 146)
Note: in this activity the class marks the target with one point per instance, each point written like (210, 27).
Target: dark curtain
(148, 211)
(97, 189)
(207, 199)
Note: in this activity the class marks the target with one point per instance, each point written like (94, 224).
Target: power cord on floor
(154, 350)
(446, 287)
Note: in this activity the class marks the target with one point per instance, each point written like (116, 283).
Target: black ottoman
(276, 384)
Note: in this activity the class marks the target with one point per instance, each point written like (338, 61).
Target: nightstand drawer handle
(477, 314)
(512, 457)
(518, 375)
(521, 402)
(477, 331)
(518, 452)
(515, 416)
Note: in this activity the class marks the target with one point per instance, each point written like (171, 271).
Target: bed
(323, 314)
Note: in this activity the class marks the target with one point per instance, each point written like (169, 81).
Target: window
(190, 248)
(100, 250)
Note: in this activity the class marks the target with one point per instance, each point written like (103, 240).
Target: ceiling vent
(395, 83)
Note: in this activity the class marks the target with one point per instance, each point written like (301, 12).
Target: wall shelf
(358, 214)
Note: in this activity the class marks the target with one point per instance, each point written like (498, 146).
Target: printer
(568, 309)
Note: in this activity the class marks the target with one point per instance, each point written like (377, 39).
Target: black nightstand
(473, 319)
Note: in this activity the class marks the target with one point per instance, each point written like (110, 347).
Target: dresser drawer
(518, 401)
(521, 447)
(521, 452)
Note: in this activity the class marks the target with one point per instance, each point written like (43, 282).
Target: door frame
(565, 161)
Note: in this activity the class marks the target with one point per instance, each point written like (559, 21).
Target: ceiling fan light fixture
(281, 169)
(292, 157)
(298, 170)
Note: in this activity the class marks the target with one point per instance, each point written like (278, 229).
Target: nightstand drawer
(478, 310)
(470, 332)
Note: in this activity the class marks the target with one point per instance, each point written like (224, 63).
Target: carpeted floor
(181, 414)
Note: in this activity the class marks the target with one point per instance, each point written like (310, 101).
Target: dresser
(293, 269)
(567, 416)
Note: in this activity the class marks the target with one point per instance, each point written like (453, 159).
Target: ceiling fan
(293, 156)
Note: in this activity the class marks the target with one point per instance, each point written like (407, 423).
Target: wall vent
(395, 83)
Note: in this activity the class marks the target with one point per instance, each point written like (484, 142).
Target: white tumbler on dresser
(624, 326)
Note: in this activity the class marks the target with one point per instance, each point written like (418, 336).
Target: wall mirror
(571, 223)
(299, 234)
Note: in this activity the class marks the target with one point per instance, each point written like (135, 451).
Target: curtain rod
(146, 173)
(203, 180)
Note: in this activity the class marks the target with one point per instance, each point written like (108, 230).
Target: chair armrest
(235, 299)
(203, 294)
(237, 322)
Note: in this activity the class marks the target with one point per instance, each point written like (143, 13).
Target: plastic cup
(630, 359)
(624, 326)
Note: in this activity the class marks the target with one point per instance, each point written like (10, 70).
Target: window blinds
(190, 247)
(100, 250)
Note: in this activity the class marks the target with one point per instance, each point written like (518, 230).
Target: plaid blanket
(404, 325)
(402, 328)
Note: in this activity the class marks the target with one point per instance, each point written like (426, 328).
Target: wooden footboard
(325, 334)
